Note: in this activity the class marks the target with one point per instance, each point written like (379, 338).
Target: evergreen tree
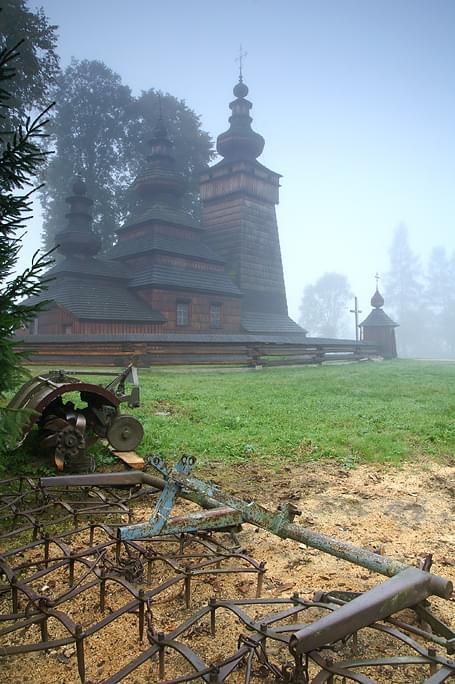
(20, 156)
(19, 159)
(324, 305)
(403, 282)
(101, 132)
(438, 283)
(440, 297)
(404, 295)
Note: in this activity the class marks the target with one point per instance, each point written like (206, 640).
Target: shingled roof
(160, 213)
(257, 322)
(96, 298)
(88, 266)
(163, 243)
(378, 318)
(165, 276)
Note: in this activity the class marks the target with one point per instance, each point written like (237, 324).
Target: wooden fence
(253, 354)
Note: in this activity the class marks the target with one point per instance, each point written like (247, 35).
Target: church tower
(163, 249)
(238, 212)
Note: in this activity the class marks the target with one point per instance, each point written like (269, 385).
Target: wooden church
(169, 279)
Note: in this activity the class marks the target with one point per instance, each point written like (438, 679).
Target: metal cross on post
(356, 311)
(239, 59)
(377, 278)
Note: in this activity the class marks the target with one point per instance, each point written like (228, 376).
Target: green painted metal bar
(275, 522)
(209, 495)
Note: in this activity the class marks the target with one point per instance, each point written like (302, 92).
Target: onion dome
(240, 141)
(377, 300)
(160, 178)
(78, 238)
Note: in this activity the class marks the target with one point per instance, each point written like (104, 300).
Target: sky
(355, 100)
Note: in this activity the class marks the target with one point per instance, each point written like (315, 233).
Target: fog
(355, 100)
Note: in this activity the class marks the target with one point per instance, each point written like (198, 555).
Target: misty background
(356, 102)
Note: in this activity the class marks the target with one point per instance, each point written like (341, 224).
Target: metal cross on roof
(239, 59)
(377, 278)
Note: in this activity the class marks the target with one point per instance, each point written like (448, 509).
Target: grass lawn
(384, 412)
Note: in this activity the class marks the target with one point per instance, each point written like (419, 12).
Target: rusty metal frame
(46, 505)
(63, 433)
(101, 563)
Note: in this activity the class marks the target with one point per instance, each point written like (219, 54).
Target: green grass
(383, 412)
(379, 412)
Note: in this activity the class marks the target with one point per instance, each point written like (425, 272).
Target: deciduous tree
(39, 64)
(88, 134)
(101, 131)
(324, 305)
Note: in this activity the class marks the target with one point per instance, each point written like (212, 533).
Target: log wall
(55, 321)
(238, 212)
(59, 321)
(165, 301)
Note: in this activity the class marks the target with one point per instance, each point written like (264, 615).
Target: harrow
(85, 552)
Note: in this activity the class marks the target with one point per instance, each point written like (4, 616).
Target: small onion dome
(240, 89)
(377, 300)
(240, 141)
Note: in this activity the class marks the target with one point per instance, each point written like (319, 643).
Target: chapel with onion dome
(379, 328)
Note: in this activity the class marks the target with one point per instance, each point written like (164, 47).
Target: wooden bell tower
(238, 197)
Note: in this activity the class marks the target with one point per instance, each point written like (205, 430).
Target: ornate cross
(240, 59)
(377, 277)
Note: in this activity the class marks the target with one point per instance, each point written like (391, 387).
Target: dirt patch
(405, 513)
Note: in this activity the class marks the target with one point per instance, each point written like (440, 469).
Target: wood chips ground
(406, 512)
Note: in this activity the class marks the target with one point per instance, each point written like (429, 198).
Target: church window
(183, 313)
(215, 315)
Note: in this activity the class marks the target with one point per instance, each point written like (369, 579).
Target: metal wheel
(125, 433)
